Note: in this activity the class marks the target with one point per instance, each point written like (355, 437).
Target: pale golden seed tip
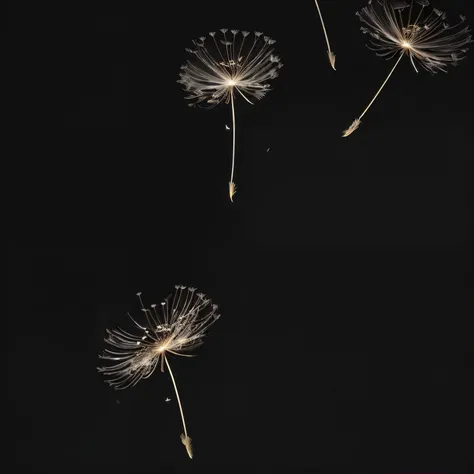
(332, 59)
(354, 126)
(232, 190)
(186, 440)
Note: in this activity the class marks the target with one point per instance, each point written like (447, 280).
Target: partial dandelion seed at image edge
(415, 30)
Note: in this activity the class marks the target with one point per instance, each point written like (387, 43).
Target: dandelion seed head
(176, 327)
(231, 62)
(414, 28)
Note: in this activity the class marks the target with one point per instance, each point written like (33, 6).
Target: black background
(343, 269)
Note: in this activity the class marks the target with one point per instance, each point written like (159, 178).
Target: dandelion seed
(186, 440)
(354, 126)
(175, 327)
(331, 55)
(232, 190)
(230, 65)
(396, 28)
